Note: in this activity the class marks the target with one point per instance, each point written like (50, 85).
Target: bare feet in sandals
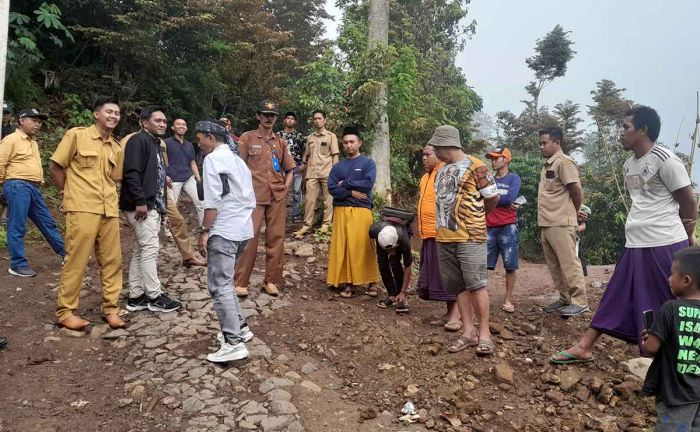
(462, 343)
(372, 290)
(485, 348)
(508, 307)
(348, 292)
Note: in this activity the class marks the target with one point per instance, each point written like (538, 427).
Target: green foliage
(552, 53)
(26, 34)
(528, 167)
(76, 112)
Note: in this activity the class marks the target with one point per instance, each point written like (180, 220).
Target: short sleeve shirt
(180, 155)
(321, 147)
(674, 375)
(93, 166)
(554, 204)
(259, 151)
(653, 219)
(295, 144)
(20, 158)
(460, 189)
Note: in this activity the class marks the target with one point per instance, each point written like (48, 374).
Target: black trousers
(391, 269)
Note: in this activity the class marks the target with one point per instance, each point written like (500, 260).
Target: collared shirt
(259, 151)
(295, 143)
(234, 209)
(321, 146)
(180, 156)
(20, 158)
(554, 204)
(93, 167)
(427, 227)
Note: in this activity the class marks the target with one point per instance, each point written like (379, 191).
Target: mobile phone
(648, 318)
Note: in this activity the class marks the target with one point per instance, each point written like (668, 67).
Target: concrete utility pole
(4, 29)
(379, 36)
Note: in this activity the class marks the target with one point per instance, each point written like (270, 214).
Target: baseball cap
(498, 152)
(31, 112)
(266, 106)
(6, 108)
(388, 237)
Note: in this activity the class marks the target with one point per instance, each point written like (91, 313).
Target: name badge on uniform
(550, 174)
(276, 163)
(324, 143)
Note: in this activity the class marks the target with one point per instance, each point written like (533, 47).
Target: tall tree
(378, 39)
(552, 53)
(568, 114)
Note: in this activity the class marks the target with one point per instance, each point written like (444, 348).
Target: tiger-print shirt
(460, 190)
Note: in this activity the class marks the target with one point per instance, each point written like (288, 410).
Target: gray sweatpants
(677, 418)
(222, 255)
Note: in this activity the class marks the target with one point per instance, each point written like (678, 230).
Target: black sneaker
(21, 272)
(137, 303)
(163, 303)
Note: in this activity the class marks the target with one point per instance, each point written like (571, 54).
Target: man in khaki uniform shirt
(86, 167)
(320, 155)
(271, 166)
(558, 203)
(21, 175)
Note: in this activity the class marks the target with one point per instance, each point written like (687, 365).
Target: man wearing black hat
(295, 143)
(271, 166)
(7, 126)
(22, 175)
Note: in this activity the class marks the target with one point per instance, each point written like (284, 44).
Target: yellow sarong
(352, 258)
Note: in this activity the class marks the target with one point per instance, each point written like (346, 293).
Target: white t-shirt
(653, 219)
(233, 221)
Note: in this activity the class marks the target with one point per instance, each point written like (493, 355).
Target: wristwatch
(202, 229)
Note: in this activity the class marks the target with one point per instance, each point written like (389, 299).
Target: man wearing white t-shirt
(661, 221)
(229, 201)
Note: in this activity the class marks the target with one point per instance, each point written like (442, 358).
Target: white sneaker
(246, 335)
(229, 353)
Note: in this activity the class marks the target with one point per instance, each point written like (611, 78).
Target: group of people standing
(466, 219)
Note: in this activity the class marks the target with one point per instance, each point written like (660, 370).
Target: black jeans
(391, 269)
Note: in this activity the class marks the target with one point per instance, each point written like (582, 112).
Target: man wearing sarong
(661, 221)
(352, 260)
(429, 285)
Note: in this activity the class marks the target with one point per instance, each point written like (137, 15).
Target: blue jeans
(297, 198)
(24, 200)
(503, 241)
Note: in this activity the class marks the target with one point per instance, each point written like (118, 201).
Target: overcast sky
(646, 46)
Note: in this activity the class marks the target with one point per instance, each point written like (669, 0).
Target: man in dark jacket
(143, 200)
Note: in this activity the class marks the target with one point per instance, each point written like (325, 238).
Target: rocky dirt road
(318, 362)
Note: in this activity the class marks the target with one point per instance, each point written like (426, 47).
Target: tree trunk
(379, 36)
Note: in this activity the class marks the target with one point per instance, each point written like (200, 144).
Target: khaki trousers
(83, 232)
(314, 188)
(559, 245)
(178, 228)
(275, 215)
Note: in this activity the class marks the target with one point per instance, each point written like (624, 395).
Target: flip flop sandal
(568, 359)
(485, 348)
(453, 326)
(508, 308)
(372, 293)
(385, 303)
(347, 293)
(401, 308)
(462, 343)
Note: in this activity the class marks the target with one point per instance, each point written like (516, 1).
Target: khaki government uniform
(93, 167)
(557, 218)
(321, 146)
(20, 158)
(257, 151)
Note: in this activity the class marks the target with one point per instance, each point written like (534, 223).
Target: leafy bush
(528, 167)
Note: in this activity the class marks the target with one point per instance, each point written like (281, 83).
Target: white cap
(388, 237)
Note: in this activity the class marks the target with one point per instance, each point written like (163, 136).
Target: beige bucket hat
(445, 136)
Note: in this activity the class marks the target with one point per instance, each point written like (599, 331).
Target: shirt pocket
(86, 158)
(324, 148)
(255, 150)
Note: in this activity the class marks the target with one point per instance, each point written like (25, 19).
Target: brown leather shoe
(194, 261)
(242, 291)
(114, 321)
(271, 289)
(74, 322)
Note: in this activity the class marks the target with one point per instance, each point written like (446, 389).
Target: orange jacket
(426, 204)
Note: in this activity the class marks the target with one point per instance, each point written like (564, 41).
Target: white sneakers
(228, 352)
